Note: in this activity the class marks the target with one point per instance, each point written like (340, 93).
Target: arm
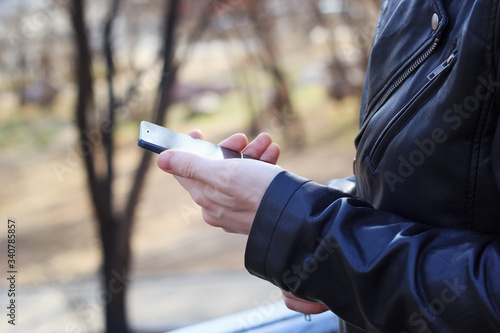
(262, 148)
(376, 270)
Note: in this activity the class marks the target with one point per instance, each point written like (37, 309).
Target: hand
(262, 147)
(299, 305)
(229, 191)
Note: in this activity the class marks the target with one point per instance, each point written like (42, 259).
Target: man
(417, 249)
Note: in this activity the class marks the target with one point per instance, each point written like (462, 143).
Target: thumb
(185, 165)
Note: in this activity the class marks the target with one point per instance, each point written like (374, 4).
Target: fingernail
(164, 161)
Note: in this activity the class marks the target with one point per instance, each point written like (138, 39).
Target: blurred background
(105, 241)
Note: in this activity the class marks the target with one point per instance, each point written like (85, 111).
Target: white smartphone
(157, 138)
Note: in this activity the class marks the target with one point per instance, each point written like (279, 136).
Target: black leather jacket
(418, 248)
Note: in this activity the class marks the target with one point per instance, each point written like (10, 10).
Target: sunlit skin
(230, 191)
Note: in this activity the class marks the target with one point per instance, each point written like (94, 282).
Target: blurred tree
(115, 223)
(253, 23)
(279, 103)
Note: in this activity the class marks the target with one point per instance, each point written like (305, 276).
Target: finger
(236, 142)
(258, 146)
(187, 165)
(299, 305)
(196, 133)
(271, 154)
(304, 307)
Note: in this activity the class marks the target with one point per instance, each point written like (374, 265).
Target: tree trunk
(115, 223)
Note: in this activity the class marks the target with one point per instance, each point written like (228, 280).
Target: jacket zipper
(442, 67)
(392, 128)
(402, 78)
(416, 64)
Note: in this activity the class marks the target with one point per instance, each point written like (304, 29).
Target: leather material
(418, 248)
(434, 138)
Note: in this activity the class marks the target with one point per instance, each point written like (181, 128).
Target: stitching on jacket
(481, 124)
(496, 41)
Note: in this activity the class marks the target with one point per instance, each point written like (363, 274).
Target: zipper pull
(442, 67)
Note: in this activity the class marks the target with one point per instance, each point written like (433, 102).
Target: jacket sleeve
(378, 271)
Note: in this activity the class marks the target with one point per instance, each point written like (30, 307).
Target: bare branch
(107, 135)
(169, 73)
(84, 103)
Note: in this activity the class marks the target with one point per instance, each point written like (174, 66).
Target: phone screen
(157, 139)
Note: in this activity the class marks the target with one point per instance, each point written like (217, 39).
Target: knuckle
(199, 199)
(213, 215)
(189, 170)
